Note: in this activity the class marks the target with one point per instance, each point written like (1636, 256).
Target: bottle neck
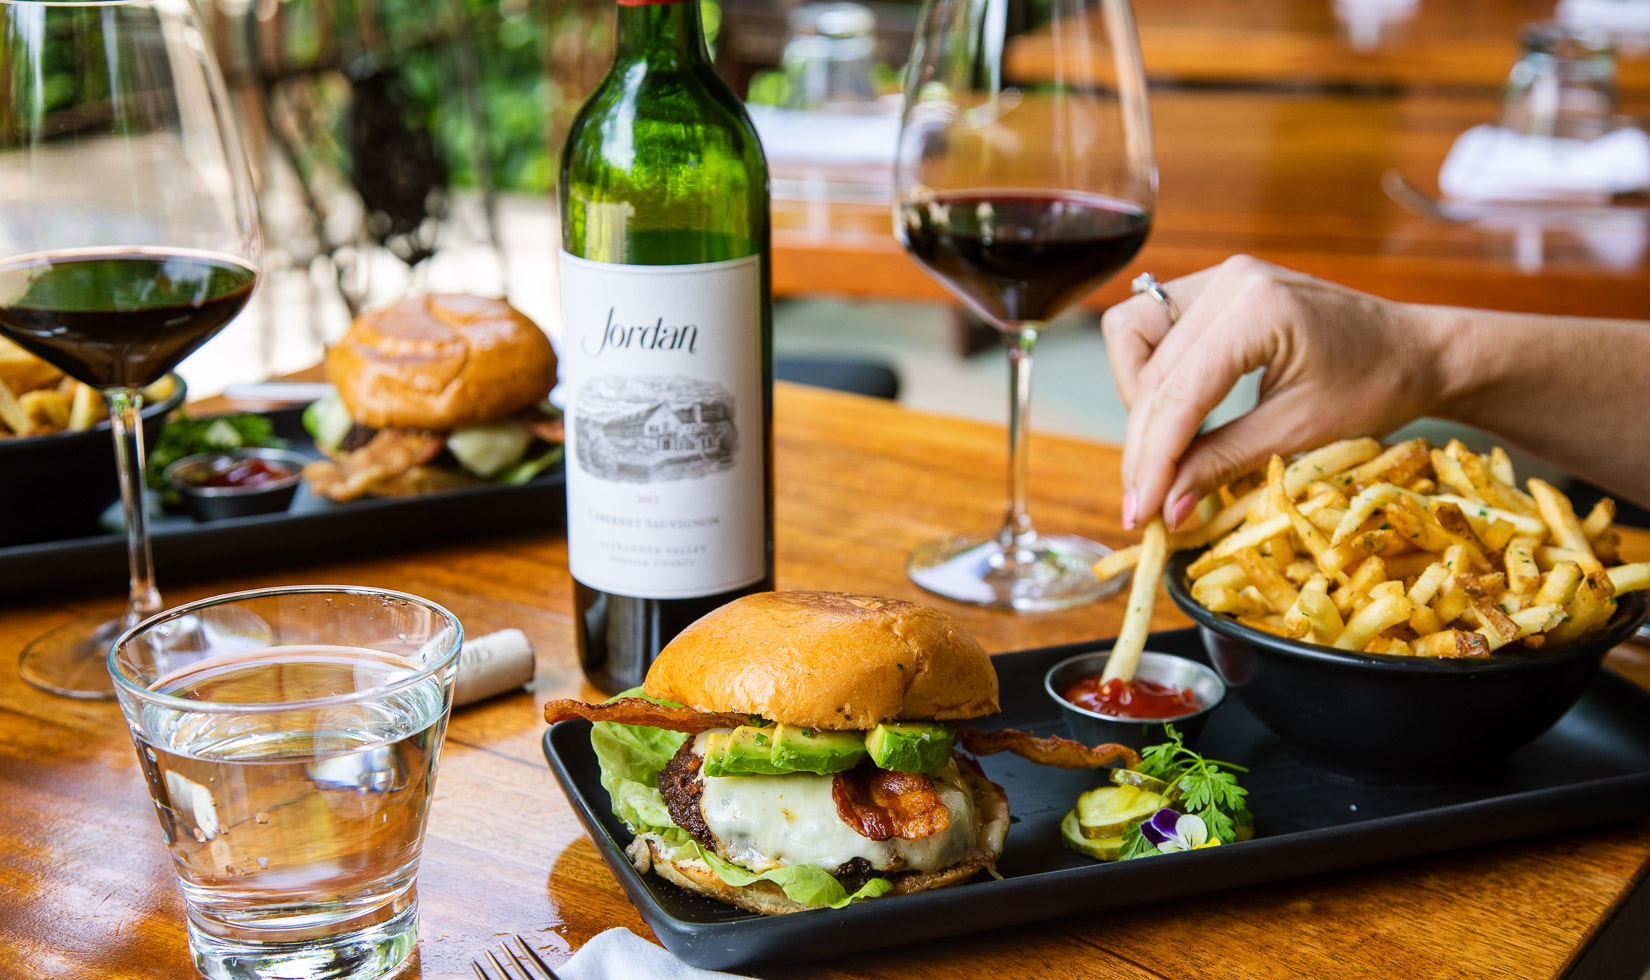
(660, 33)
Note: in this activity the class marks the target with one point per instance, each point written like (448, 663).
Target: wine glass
(1024, 178)
(128, 237)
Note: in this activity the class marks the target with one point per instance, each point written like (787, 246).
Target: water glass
(289, 737)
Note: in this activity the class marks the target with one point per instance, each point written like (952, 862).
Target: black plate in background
(312, 527)
(1593, 767)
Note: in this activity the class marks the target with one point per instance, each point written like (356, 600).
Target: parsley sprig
(1205, 787)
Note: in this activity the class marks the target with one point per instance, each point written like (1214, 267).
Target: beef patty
(681, 786)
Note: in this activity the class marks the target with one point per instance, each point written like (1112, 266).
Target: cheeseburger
(795, 750)
(435, 391)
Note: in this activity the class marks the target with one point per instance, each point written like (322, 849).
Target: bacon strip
(1060, 753)
(640, 711)
(390, 453)
(880, 804)
(548, 429)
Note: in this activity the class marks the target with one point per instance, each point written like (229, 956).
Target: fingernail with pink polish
(1129, 502)
(1183, 508)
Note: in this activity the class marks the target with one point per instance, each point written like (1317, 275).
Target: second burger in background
(434, 392)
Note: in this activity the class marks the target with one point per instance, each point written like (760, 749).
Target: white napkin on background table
(619, 954)
(1631, 17)
(1488, 163)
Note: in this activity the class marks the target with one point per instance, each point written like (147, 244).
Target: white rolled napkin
(619, 954)
(1488, 163)
(492, 664)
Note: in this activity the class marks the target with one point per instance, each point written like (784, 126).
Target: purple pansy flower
(1170, 831)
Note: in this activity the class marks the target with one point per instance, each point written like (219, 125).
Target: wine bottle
(667, 346)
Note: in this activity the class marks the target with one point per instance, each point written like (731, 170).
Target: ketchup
(1131, 699)
(245, 474)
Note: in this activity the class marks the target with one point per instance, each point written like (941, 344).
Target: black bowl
(57, 486)
(1397, 719)
(224, 503)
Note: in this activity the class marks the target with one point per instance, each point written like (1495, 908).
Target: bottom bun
(990, 803)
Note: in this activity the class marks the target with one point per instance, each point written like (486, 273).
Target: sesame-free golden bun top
(827, 660)
(441, 362)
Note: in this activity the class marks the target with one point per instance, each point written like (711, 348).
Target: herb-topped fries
(1408, 550)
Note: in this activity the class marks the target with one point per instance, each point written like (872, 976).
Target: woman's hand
(1337, 363)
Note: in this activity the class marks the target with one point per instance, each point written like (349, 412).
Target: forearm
(1571, 390)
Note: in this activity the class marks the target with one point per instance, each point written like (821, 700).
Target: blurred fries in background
(36, 399)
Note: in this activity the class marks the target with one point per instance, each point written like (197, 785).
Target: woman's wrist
(1463, 348)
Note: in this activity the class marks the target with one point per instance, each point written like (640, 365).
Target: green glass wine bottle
(667, 346)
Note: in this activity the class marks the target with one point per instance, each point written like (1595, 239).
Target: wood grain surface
(87, 889)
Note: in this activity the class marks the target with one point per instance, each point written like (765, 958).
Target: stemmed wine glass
(128, 236)
(1024, 179)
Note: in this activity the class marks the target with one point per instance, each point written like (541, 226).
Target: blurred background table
(87, 889)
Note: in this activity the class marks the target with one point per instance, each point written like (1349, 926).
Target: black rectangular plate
(310, 526)
(1592, 767)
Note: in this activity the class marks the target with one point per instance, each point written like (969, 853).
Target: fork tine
(481, 971)
(548, 973)
(502, 969)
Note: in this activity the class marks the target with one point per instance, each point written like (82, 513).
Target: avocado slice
(797, 749)
(910, 746)
(746, 751)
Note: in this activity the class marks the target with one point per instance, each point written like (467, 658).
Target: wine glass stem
(1020, 341)
(125, 404)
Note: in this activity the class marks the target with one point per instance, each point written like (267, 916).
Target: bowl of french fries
(57, 461)
(1403, 612)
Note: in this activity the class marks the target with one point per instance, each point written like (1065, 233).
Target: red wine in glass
(1022, 256)
(119, 319)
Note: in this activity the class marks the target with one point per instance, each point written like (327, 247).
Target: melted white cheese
(764, 822)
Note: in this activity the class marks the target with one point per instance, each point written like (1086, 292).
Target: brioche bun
(441, 362)
(990, 803)
(827, 660)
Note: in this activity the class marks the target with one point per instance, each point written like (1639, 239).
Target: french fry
(1281, 501)
(1523, 576)
(1300, 570)
(1607, 547)
(1423, 486)
(1559, 587)
(1454, 523)
(1409, 565)
(1229, 576)
(1363, 507)
(1427, 586)
(1265, 577)
(1482, 514)
(47, 410)
(1549, 556)
(1229, 517)
(1231, 601)
(1355, 593)
(1250, 537)
(1266, 624)
(1397, 464)
(1453, 478)
(1586, 609)
(1117, 562)
(1392, 646)
(1423, 620)
(1137, 619)
(1599, 519)
(12, 414)
(1496, 534)
(1629, 578)
(1561, 520)
(1501, 465)
(1491, 490)
(1389, 610)
(1452, 644)
(1328, 461)
(1450, 602)
(86, 409)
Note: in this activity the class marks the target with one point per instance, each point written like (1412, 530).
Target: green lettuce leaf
(525, 470)
(630, 757)
(805, 884)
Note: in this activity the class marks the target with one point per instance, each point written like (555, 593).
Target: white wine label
(666, 448)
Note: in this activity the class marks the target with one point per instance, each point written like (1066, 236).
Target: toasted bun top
(441, 362)
(827, 660)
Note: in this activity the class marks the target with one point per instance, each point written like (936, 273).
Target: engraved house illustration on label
(652, 428)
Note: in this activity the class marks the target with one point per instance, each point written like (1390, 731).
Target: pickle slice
(1108, 811)
(1151, 784)
(1104, 849)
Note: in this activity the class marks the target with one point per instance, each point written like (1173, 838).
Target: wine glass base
(73, 659)
(1047, 572)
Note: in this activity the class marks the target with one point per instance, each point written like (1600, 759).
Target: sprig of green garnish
(1207, 788)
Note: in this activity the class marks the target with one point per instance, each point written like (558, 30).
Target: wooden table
(87, 889)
